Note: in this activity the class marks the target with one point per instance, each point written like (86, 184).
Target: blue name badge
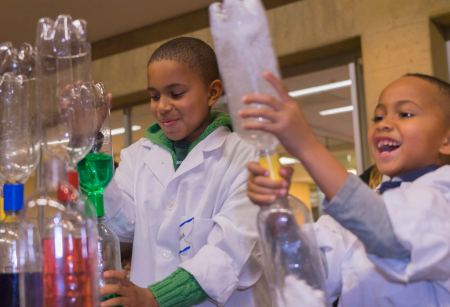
(186, 227)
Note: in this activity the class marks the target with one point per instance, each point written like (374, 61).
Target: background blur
(341, 53)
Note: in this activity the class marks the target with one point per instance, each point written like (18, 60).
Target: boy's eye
(377, 119)
(406, 114)
(177, 95)
(154, 97)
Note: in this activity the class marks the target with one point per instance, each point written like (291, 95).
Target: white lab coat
(420, 216)
(147, 201)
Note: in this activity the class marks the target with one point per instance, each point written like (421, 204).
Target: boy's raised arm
(351, 203)
(289, 125)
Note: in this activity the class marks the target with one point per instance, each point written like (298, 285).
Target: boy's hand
(130, 294)
(287, 123)
(261, 189)
(286, 120)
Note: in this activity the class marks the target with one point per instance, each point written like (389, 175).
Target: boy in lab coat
(388, 250)
(180, 194)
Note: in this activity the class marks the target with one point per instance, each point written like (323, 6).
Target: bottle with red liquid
(59, 241)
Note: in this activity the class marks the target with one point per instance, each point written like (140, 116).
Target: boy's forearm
(325, 170)
(357, 208)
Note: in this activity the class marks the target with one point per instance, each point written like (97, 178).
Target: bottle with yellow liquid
(290, 251)
(292, 260)
(2, 212)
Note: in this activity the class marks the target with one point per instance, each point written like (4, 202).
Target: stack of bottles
(96, 171)
(20, 145)
(52, 248)
(291, 257)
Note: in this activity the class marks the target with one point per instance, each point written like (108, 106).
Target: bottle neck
(11, 216)
(74, 179)
(100, 220)
(97, 201)
(270, 160)
(12, 213)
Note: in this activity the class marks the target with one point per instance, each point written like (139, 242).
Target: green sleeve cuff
(178, 290)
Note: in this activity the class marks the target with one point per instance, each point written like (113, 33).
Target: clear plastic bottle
(59, 241)
(65, 92)
(108, 252)
(291, 257)
(19, 137)
(19, 61)
(9, 251)
(96, 171)
(64, 88)
(97, 168)
(20, 143)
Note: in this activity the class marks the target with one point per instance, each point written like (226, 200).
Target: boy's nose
(385, 125)
(164, 105)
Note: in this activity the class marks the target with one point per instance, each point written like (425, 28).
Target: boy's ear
(215, 91)
(445, 148)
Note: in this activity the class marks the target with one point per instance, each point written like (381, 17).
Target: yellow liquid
(2, 213)
(272, 163)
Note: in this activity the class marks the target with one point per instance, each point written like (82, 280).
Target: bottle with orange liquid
(59, 241)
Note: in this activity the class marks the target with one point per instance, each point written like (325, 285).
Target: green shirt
(181, 149)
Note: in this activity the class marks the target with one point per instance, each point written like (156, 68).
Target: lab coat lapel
(195, 157)
(160, 162)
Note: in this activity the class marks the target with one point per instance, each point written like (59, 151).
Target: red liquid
(67, 273)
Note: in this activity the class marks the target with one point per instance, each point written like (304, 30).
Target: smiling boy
(388, 250)
(180, 196)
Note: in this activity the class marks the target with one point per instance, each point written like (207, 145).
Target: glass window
(141, 118)
(328, 109)
(117, 131)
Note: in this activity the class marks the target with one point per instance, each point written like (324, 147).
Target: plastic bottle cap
(13, 197)
(97, 201)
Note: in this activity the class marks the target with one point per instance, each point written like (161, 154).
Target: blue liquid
(9, 290)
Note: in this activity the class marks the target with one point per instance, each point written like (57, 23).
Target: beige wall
(396, 38)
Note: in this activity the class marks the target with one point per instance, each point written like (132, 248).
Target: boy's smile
(180, 100)
(410, 130)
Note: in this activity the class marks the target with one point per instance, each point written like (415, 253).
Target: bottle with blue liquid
(9, 252)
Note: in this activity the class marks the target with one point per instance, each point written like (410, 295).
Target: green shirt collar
(155, 134)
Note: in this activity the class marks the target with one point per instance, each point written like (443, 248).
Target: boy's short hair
(444, 88)
(200, 57)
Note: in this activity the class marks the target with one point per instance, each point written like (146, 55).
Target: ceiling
(106, 18)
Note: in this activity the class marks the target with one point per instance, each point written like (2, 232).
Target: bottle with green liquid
(96, 171)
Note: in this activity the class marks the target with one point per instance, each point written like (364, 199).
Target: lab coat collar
(415, 174)
(159, 161)
(195, 158)
(158, 158)
(408, 177)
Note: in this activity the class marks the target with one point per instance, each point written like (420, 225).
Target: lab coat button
(171, 205)
(166, 254)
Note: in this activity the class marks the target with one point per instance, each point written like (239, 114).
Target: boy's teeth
(387, 143)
